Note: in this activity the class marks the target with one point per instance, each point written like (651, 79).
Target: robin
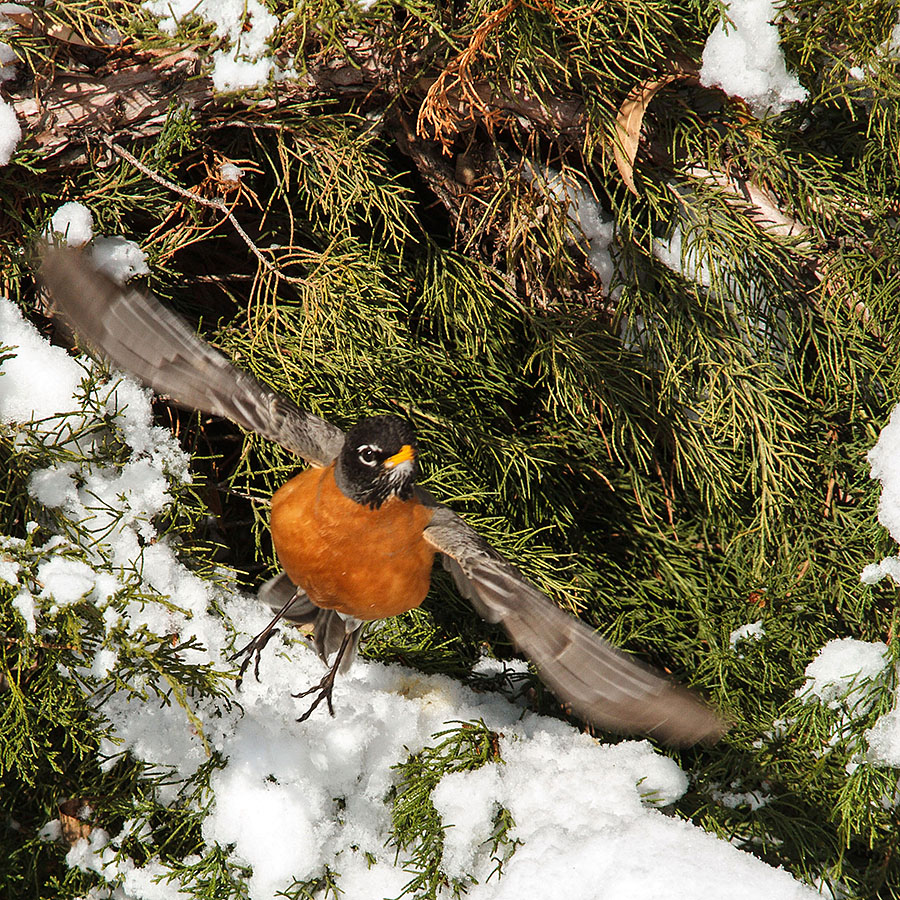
(355, 536)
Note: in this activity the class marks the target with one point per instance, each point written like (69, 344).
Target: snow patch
(743, 57)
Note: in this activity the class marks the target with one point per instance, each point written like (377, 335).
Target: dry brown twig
(437, 108)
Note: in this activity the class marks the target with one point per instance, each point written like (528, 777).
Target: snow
(28, 391)
(753, 631)
(467, 803)
(10, 132)
(245, 27)
(117, 256)
(843, 671)
(231, 73)
(73, 223)
(8, 56)
(64, 580)
(884, 460)
(230, 173)
(50, 831)
(889, 567)
(736, 798)
(23, 603)
(883, 738)
(291, 799)
(8, 60)
(592, 227)
(9, 570)
(892, 45)
(120, 258)
(683, 260)
(589, 217)
(743, 58)
(848, 676)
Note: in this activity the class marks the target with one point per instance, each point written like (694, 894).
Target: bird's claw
(252, 650)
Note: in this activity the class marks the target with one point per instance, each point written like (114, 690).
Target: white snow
(892, 45)
(73, 223)
(292, 799)
(843, 671)
(9, 570)
(743, 58)
(8, 60)
(597, 226)
(230, 173)
(119, 257)
(10, 132)
(245, 27)
(884, 459)
(34, 391)
(467, 803)
(8, 56)
(888, 567)
(65, 580)
(684, 260)
(848, 675)
(23, 603)
(231, 72)
(734, 798)
(884, 738)
(753, 631)
(591, 226)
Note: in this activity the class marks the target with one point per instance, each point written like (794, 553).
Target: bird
(354, 534)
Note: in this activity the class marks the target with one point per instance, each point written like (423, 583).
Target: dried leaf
(630, 119)
(761, 206)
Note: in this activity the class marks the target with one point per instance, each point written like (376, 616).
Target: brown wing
(600, 683)
(139, 335)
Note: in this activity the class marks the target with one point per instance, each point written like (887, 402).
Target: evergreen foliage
(418, 829)
(671, 456)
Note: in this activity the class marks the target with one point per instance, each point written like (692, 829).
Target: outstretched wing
(600, 683)
(139, 335)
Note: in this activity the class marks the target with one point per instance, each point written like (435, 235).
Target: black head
(378, 461)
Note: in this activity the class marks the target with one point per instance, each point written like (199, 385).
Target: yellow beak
(404, 454)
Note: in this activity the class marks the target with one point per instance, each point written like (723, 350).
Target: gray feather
(139, 335)
(600, 683)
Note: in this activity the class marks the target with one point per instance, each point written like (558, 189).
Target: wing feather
(600, 683)
(139, 335)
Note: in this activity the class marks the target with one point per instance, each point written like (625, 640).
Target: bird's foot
(252, 651)
(322, 690)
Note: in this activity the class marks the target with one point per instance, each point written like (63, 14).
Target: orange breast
(367, 563)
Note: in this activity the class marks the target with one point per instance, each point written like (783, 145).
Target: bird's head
(378, 461)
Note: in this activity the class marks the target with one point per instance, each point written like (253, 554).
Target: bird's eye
(367, 455)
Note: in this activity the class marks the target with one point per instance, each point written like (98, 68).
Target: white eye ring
(368, 455)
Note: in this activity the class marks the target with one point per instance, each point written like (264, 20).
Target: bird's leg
(258, 644)
(326, 685)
